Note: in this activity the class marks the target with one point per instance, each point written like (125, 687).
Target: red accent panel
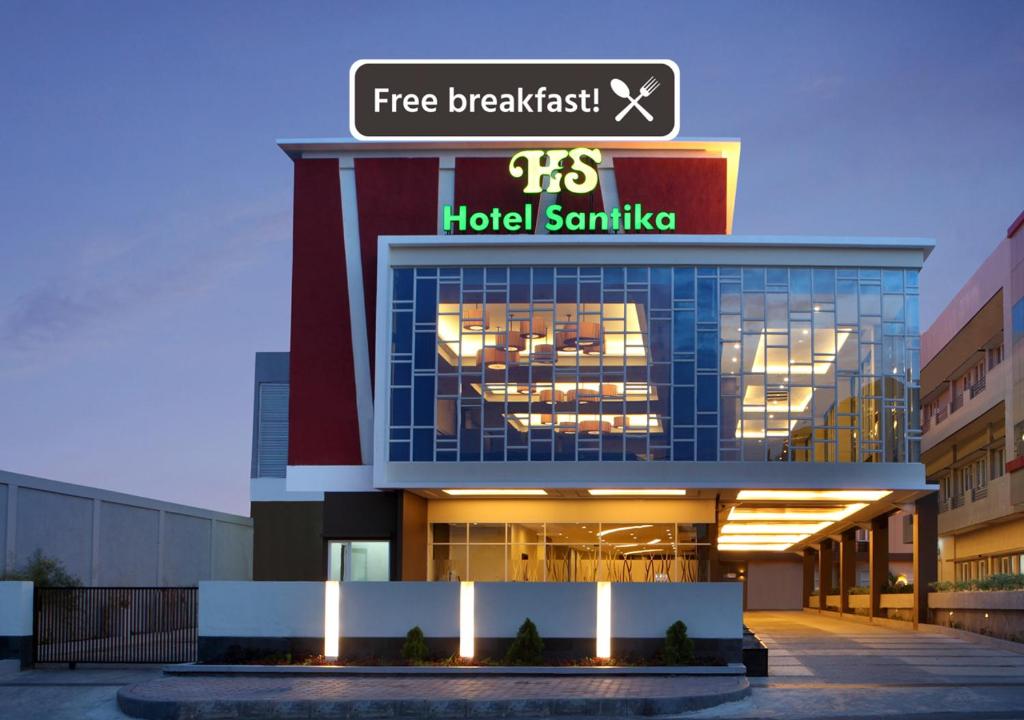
(397, 196)
(1015, 465)
(695, 189)
(483, 183)
(322, 404)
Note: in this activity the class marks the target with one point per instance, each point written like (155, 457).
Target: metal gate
(115, 625)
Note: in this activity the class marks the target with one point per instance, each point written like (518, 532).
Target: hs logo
(579, 177)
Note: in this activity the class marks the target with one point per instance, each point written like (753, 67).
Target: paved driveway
(823, 667)
(55, 693)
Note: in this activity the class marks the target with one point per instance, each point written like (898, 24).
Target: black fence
(115, 625)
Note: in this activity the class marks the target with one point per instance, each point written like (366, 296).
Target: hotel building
(972, 392)
(628, 407)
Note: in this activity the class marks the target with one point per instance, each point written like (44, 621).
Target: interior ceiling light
(496, 358)
(543, 354)
(609, 531)
(639, 493)
(739, 528)
(806, 514)
(813, 495)
(494, 491)
(758, 539)
(774, 547)
(533, 329)
(509, 341)
(644, 552)
(595, 427)
(473, 317)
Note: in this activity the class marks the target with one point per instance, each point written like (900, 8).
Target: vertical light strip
(467, 621)
(332, 618)
(604, 620)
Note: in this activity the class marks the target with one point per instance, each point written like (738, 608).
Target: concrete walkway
(278, 696)
(823, 667)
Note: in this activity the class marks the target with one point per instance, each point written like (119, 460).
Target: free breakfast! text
(629, 218)
(540, 100)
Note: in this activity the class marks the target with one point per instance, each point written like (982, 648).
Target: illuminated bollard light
(332, 618)
(604, 620)
(467, 621)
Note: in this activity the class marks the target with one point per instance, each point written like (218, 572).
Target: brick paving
(388, 696)
(821, 667)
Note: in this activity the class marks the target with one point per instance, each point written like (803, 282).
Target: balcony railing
(977, 388)
(958, 402)
(979, 493)
(941, 414)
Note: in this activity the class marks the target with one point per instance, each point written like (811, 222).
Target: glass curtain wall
(565, 552)
(654, 364)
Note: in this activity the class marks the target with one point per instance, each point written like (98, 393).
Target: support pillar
(708, 569)
(878, 558)
(824, 573)
(809, 560)
(926, 553)
(847, 568)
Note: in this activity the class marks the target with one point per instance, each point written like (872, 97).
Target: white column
(357, 307)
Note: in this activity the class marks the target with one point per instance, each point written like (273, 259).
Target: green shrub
(678, 646)
(414, 649)
(527, 648)
(44, 571)
(999, 581)
(859, 590)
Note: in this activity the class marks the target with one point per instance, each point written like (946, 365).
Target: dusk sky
(146, 210)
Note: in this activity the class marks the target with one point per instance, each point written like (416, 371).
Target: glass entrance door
(359, 560)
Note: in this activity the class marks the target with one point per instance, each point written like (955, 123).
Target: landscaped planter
(999, 613)
(860, 602)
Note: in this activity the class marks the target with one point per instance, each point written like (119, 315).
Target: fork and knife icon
(621, 89)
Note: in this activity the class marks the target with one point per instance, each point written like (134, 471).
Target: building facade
(972, 387)
(629, 406)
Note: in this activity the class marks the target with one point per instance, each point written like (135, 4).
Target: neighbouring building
(106, 538)
(972, 401)
(602, 406)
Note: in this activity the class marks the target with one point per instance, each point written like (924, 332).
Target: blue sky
(145, 210)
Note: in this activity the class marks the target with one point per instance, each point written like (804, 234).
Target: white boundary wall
(390, 609)
(107, 538)
(15, 608)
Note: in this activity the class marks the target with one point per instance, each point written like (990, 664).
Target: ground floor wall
(979, 553)
(291, 538)
(774, 584)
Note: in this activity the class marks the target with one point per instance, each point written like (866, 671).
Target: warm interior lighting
(565, 391)
(782, 528)
(604, 620)
(638, 493)
(813, 495)
(570, 422)
(609, 531)
(497, 358)
(467, 622)
(619, 340)
(796, 360)
(769, 547)
(495, 491)
(332, 618)
(532, 330)
(829, 514)
(755, 539)
(473, 318)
